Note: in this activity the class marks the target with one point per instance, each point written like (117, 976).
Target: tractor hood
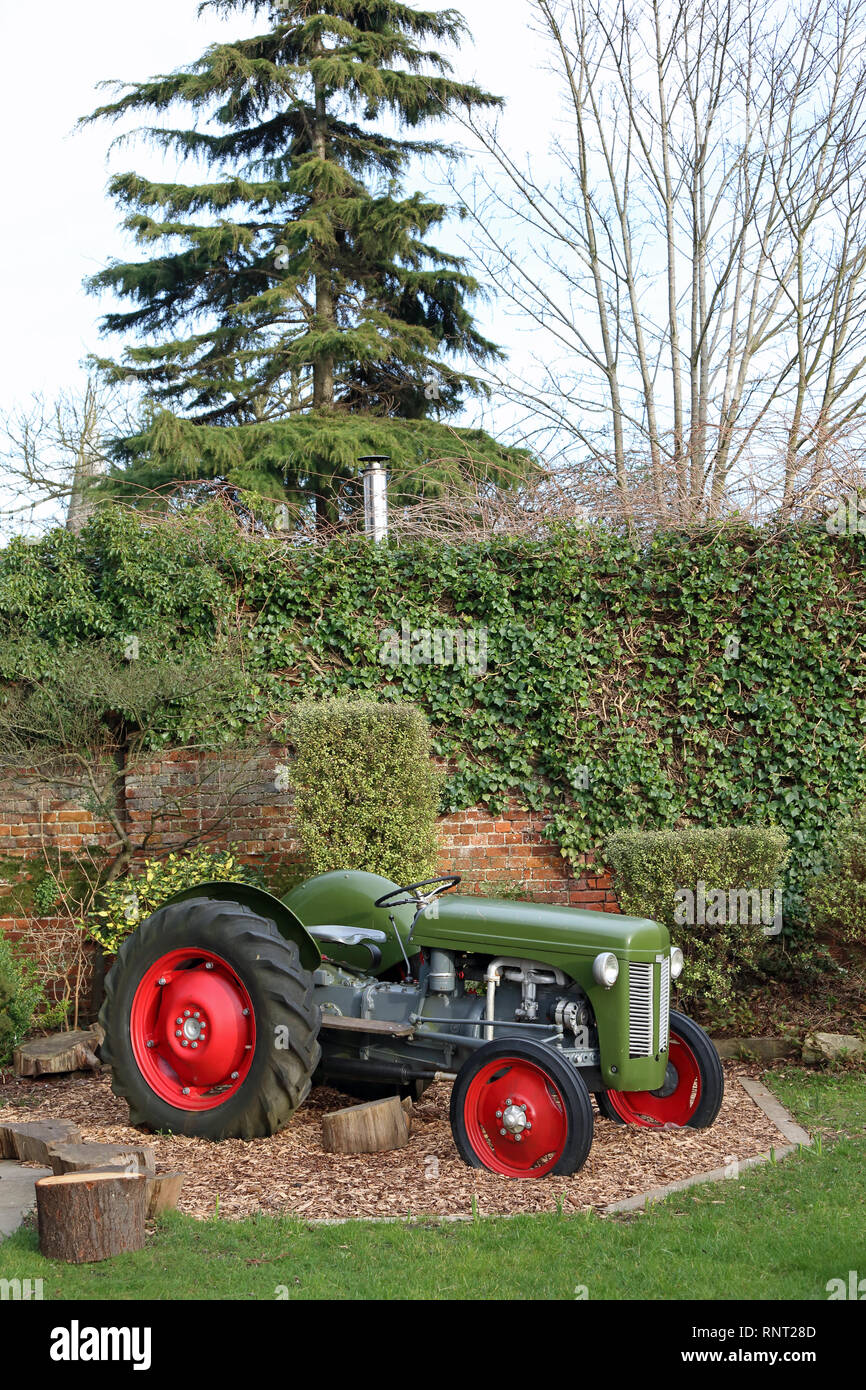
(536, 931)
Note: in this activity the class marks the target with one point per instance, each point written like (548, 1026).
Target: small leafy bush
(653, 868)
(20, 997)
(837, 897)
(46, 894)
(367, 790)
(131, 899)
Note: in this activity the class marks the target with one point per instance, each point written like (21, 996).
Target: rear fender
(264, 905)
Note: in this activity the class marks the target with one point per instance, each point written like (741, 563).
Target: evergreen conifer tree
(293, 313)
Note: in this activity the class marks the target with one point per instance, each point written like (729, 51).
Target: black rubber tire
(709, 1065)
(605, 1108)
(568, 1081)
(281, 994)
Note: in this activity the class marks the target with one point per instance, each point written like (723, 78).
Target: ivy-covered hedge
(709, 679)
(838, 895)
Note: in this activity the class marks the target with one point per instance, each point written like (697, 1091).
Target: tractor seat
(348, 936)
(353, 936)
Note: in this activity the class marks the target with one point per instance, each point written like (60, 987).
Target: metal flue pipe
(376, 496)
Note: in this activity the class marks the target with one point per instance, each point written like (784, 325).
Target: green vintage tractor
(227, 1005)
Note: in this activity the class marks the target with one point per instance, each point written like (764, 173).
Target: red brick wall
(512, 849)
(178, 799)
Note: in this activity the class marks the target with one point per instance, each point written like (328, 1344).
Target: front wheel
(521, 1110)
(691, 1094)
(211, 1028)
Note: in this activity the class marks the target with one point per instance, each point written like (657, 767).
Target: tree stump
(85, 1217)
(29, 1140)
(163, 1191)
(370, 1128)
(61, 1052)
(79, 1158)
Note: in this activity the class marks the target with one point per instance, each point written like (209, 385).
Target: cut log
(163, 1191)
(409, 1112)
(79, 1158)
(28, 1140)
(61, 1052)
(85, 1217)
(363, 1129)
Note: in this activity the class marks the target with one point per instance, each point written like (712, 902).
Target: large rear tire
(211, 1028)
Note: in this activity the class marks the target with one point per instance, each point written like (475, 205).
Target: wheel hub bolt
(178, 1020)
(499, 1114)
(178, 1033)
(184, 1043)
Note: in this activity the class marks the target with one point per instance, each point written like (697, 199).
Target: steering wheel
(395, 898)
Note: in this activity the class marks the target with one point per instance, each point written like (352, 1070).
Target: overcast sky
(56, 224)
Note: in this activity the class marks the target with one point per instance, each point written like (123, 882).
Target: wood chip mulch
(290, 1174)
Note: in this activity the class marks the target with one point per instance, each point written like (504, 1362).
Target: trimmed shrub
(129, 900)
(367, 790)
(713, 889)
(838, 895)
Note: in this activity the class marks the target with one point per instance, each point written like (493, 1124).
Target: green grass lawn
(779, 1232)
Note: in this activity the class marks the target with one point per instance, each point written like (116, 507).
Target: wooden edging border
(784, 1121)
(797, 1137)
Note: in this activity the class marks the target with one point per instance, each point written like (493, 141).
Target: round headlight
(605, 969)
(677, 962)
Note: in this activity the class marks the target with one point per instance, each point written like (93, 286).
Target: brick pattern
(223, 801)
(30, 820)
(513, 850)
(64, 960)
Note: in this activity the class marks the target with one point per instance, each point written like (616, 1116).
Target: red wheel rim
(192, 1030)
(516, 1096)
(654, 1111)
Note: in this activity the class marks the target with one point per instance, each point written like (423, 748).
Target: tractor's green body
(484, 929)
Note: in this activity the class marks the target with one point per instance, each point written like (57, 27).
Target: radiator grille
(664, 1003)
(640, 1009)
